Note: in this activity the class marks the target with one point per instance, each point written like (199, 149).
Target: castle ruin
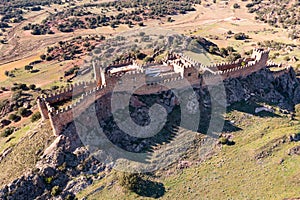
(172, 71)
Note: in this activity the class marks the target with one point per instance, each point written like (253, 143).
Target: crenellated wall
(186, 73)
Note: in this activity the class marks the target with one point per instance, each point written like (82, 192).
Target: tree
(129, 181)
(235, 6)
(22, 111)
(241, 36)
(230, 49)
(223, 52)
(36, 116)
(16, 95)
(49, 58)
(7, 132)
(54, 87)
(286, 58)
(14, 117)
(213, 49)
(28, 67)
(32, 87)
(43, 56)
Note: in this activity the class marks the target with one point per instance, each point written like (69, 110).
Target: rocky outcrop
(263, 86)
(64, 165)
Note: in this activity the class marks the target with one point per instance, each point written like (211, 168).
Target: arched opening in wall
(190, 74)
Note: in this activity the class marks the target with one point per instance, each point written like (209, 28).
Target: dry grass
(27, 145)
(16, 65)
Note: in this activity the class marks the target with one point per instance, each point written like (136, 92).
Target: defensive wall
(186, 73)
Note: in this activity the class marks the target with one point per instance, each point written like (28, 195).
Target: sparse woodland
(284, 14)
(79, 17)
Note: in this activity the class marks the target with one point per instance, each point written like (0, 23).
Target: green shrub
(241, 36)
(3, 104)
(32, 87)
(235, 6)
(48, 180)
(54, 87)
(28, 67)
(71, 197)
(223, 140)
(129, 181)
(6, 73)
(55, 191)
(14, 117)
(16, 95)
(22, 111)
(43, 57)
(36, 116)
(7, 132)
(286, 58)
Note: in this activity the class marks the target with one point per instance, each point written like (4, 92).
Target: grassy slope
(27, 147)
(233, 173)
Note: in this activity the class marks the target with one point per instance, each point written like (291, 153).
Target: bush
(286, 58)
(213, 49)
(55, 191)
(70, 197)
(16, 95)
(223, 140)
(129, 181)
(28, 67)
(49, 58)
(32, 87)
(43, 57)
(14, 117)
(7, 132)
(241, 36)
(48, 180)
(235, 6)
(54, 87)
(22, 111)
(36, 116)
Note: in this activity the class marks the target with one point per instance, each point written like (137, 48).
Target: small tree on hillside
(28, 67)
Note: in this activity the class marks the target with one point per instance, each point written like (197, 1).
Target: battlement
(183, 70)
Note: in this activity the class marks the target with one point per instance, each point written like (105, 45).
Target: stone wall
(89, 92)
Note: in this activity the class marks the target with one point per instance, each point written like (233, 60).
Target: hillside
(233, 172)
(67, 68)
